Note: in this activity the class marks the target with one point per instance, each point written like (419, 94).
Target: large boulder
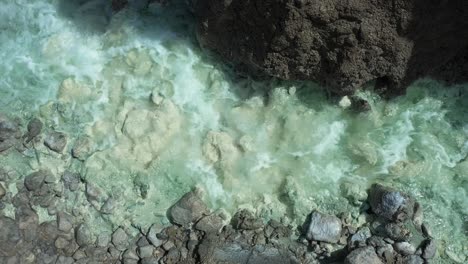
(341, 44)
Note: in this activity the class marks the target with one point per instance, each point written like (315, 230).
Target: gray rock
(35, 180)
(103, 240)
(108, 206)
(2, 191)
(153, 261)
(404, 248)
(413, 259)
(71, 180)
(56, 141)
(82, 148)
(120, 239)
(322, 227)
(9, 236)
(83, 236)
(188, 209)
(152, 236)
(145, 251)
(65, 260)
(61, 243)
(130, 254)
(397, 232)
(130, 261)
(93, 193)
(245, 220)
(210, 223)
(363, 255)
(390, 204)
(418, 216)
(429, 249)
(64, 222)
(79, 254)
(359, 238)
(34, 129)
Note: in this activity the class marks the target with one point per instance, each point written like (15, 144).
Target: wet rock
(245, 220)
(35, 180)
(79, 254)
(82, 148)
(145, 251)
(8, 131)
(108, 206)
(397, 232)
(152, 236)
(2, 191)
(130, 254)
(418, 216)
(429, 249)
(120, 239)
(322, 227)
(71, 180)
(404, 248)
(363, 255)
(426, 230)
(354, 192)
(64, 222)
(9, 236)
(103, 240)
(391, 204)
(34, 129)
(93, 193)
(172, 257)
(56, 141)
(413, 259)
(65, 260)
(359, 238)
(61, 243)
(188, 209)
(210, 224)
(83, 236)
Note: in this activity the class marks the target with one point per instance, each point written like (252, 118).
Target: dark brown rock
(340, 44)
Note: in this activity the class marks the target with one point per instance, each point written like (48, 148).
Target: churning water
(163, 116)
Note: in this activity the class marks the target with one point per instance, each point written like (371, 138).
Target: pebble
(103, 240)
(61, 243)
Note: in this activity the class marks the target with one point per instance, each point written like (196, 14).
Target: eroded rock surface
(341, 44)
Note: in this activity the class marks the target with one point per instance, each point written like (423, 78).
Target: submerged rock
(56, 141)
(322, 227)
(34, 129)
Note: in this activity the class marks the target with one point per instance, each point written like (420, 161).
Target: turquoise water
(164, 116)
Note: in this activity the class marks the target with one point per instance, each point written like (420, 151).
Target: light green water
(161, 114)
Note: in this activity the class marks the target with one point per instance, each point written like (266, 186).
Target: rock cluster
(393, 231)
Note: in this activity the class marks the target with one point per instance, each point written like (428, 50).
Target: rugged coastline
(389, 229)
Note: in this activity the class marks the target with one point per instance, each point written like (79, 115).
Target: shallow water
(164, 116)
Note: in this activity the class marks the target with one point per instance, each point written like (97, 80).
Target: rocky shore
(389, 229)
